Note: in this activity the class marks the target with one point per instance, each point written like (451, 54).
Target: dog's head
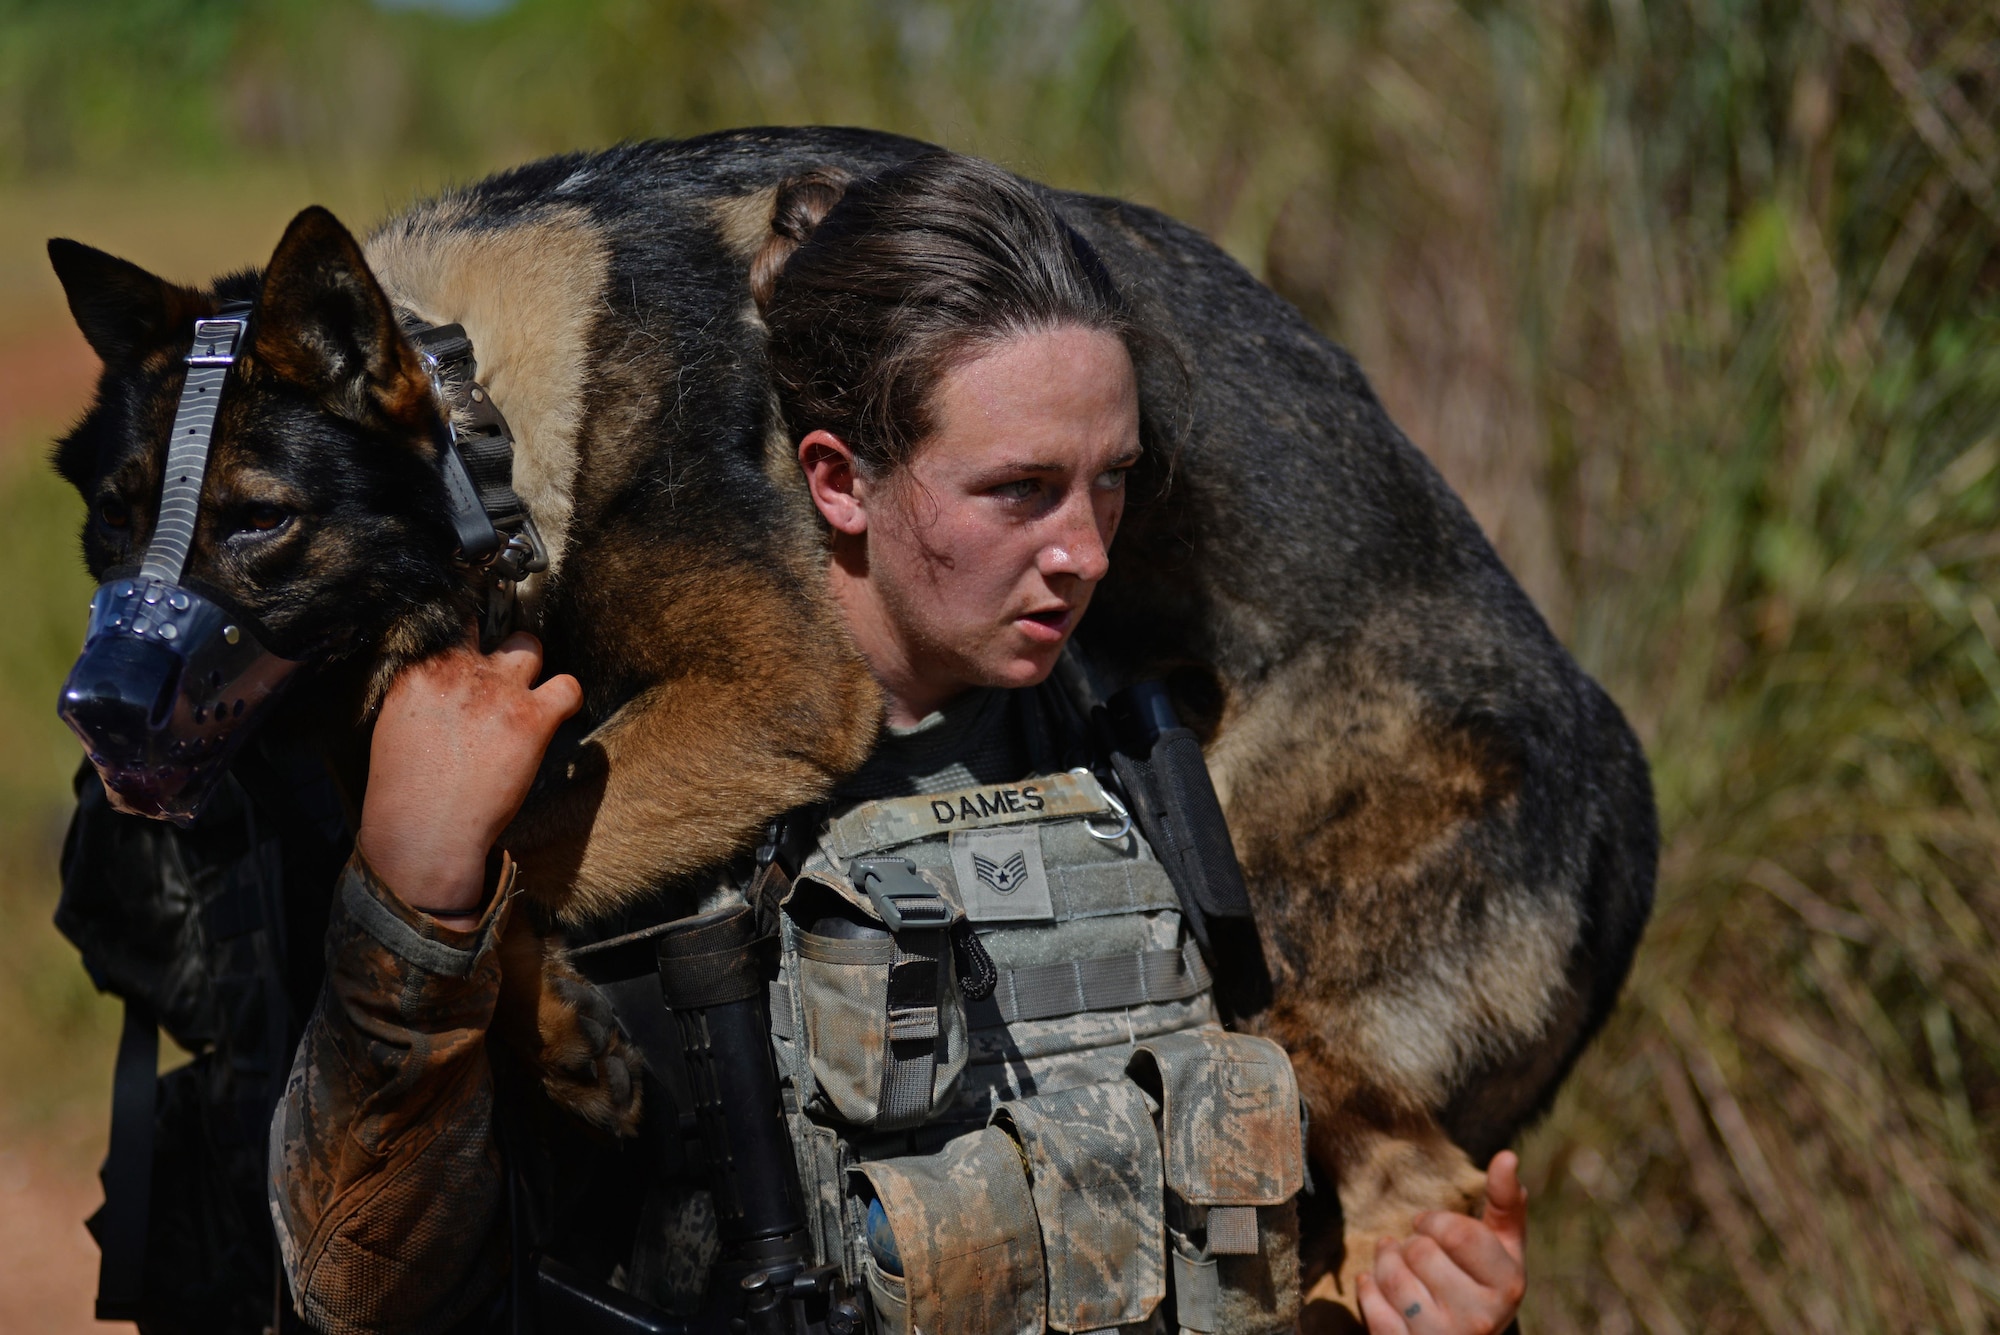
(322, 532)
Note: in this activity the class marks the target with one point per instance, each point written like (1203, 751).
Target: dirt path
(48, 1262)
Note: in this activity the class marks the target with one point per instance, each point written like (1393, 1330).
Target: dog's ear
(324, 324)
(123, 311)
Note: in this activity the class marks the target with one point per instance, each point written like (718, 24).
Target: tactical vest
(1071, 1150)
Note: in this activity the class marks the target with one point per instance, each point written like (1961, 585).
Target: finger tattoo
(1413, 1309)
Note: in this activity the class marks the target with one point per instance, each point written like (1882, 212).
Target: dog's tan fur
(1408, 790)
(528, 297)
(661, 789)
(743, 222)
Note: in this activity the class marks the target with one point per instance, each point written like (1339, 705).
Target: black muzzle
(169, 682)
(168, 686)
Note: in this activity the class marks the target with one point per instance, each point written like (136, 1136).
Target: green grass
(1696, 302)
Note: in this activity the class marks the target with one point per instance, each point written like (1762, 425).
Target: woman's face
(972, 564)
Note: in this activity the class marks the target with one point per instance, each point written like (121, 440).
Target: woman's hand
(455, 749)
(1459, 1275)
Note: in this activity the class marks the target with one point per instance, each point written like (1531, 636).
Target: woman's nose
(1077, 546)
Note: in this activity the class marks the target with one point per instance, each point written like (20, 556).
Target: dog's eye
(114, 514)
(265, 519)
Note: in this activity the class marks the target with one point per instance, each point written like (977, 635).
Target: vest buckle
(901, 897)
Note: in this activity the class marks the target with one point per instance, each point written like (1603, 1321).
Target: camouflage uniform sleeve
(386, 1182)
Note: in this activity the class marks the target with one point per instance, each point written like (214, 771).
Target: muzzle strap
(215, 347)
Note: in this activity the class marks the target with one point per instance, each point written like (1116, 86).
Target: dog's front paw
(587, 1065)
(563, 1031)
(1381, 1195)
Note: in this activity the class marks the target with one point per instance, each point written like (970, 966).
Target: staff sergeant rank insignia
(1000, 874)
(1004, 879)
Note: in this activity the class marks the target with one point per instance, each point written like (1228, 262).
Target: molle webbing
(902, 1078)
(917, 979)
(1050, 991)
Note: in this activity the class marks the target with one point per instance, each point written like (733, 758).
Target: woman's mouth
(1047, 626)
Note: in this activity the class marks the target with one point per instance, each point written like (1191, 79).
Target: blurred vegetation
(1694, 300)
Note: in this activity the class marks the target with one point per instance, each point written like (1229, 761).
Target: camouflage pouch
(878, 1011)
(965, 1229)
(1094, 1171)
(1231, 1138)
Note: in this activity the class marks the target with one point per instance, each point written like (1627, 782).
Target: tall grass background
(1695, 301)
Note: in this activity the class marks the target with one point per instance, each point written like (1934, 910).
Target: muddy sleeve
(386, 1183)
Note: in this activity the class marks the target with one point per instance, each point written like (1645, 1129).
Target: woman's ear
(835, 481)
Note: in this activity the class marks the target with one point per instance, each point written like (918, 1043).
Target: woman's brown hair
(873, 289)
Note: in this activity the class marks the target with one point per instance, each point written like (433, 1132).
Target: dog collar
(495, 531)
(498, 542)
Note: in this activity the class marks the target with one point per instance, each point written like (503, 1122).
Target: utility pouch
(823, 1161)
(1094, 1172)
(879, 1008)
(969, 1247)
(1231, 1139)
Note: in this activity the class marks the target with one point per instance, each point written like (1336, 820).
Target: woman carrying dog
(957, 374)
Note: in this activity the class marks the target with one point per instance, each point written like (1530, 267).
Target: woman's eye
(1024, 490)
(1112, 478)
(114, 514)
(265, 519)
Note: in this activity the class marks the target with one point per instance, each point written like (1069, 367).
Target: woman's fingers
(518, 660)
(561, 695)
(1459, 1274)
(1473, 1246)
(1507, 1203)
(1407, 1293)
(1382, 1318)
(455, 751)
(519, 656)
(1463, 1303)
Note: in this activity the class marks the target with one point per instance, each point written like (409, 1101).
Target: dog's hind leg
(1416, 947)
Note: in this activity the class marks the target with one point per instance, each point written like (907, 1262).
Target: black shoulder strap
(1159, 765)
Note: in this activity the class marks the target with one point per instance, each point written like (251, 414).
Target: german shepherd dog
(1447, 828)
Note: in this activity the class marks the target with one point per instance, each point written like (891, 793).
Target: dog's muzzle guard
(171, 682)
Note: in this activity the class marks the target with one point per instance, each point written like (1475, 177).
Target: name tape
(877, 825)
